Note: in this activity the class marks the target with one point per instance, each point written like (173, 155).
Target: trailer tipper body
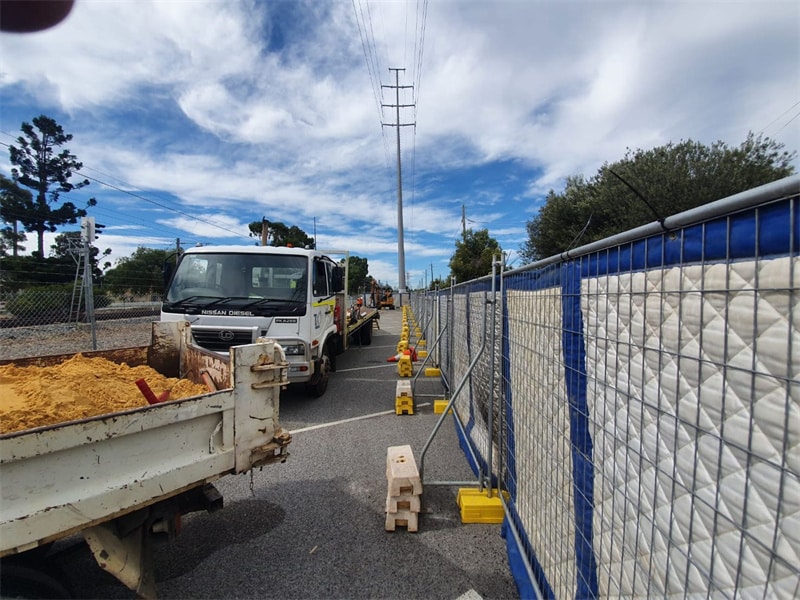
(298, 297)
(120, 479)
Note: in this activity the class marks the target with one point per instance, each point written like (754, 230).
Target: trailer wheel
(21, 581)
(319, 384)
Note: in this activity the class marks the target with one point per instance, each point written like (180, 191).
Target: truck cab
(233, 295)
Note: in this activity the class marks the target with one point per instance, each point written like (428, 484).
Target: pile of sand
(76, 389)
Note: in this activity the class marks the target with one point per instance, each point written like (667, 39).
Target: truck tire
(317, 386)
(22, 581)
(365, 334)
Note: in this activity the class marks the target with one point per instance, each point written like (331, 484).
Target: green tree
(473, 256)
(139, 273)
(61, 266)
(440, 284)
(20, 272)
(280, 234)
(647, 186)
(358, 280)
(38, 166)
(13, 203)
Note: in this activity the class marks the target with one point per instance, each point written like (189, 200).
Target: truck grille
(221, 339)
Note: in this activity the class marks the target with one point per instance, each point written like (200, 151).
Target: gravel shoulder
(45, 340)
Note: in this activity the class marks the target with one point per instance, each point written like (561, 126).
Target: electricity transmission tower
(401, 253)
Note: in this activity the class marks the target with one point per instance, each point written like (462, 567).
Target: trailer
(122, 479)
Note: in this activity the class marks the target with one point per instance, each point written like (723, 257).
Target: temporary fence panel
(645, 406)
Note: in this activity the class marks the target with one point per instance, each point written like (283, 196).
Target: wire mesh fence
(50, 321)
(644, 401)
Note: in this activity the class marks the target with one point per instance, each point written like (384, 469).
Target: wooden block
(401, 471)
(406, 519)
(407, 502)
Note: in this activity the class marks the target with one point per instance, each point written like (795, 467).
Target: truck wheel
(320, 382)
(21, 581)
(365, 334)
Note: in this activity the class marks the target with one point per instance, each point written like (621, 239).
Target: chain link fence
(53, 320)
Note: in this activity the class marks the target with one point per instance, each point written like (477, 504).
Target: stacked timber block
(404, 398)
(405, 488)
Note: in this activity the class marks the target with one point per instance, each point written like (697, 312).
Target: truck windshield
(243, 280)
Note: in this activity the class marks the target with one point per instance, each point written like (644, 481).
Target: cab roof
(232, 249)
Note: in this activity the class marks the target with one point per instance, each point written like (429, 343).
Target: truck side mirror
(338, 279)
(170, 263)
(168, 268)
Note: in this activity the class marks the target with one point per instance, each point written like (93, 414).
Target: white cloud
(209, 114)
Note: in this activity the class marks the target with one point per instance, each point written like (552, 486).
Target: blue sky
(195, 118)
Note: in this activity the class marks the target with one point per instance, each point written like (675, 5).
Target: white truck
(235, 294)
(121, 479)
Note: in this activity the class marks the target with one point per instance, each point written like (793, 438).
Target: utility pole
(463, 221)
(264, 231)
(87, 238)
(401, 253)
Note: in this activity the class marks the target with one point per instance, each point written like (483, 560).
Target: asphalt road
(313, 527)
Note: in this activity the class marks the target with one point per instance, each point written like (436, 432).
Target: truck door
(324, 300)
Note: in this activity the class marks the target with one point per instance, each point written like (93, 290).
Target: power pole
(87, 238)
(264, 231)
(401, 253)
(463, 221)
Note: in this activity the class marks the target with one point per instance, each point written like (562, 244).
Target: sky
(194, 118)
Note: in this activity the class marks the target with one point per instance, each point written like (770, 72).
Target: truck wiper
(187, 302)
(271, 300)
(218, 301)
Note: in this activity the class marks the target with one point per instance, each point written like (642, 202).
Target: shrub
(50, 303)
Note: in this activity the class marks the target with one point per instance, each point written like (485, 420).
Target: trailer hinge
(274, 451)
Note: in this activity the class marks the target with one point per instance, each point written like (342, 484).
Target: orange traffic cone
(394, 358)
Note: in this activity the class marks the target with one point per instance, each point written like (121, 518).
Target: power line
(371, 58)
(205, 221)
(785, 125)
(154, 203)
(780, 116)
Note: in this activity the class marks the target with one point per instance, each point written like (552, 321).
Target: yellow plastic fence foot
(440, 405)
(480, 506)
